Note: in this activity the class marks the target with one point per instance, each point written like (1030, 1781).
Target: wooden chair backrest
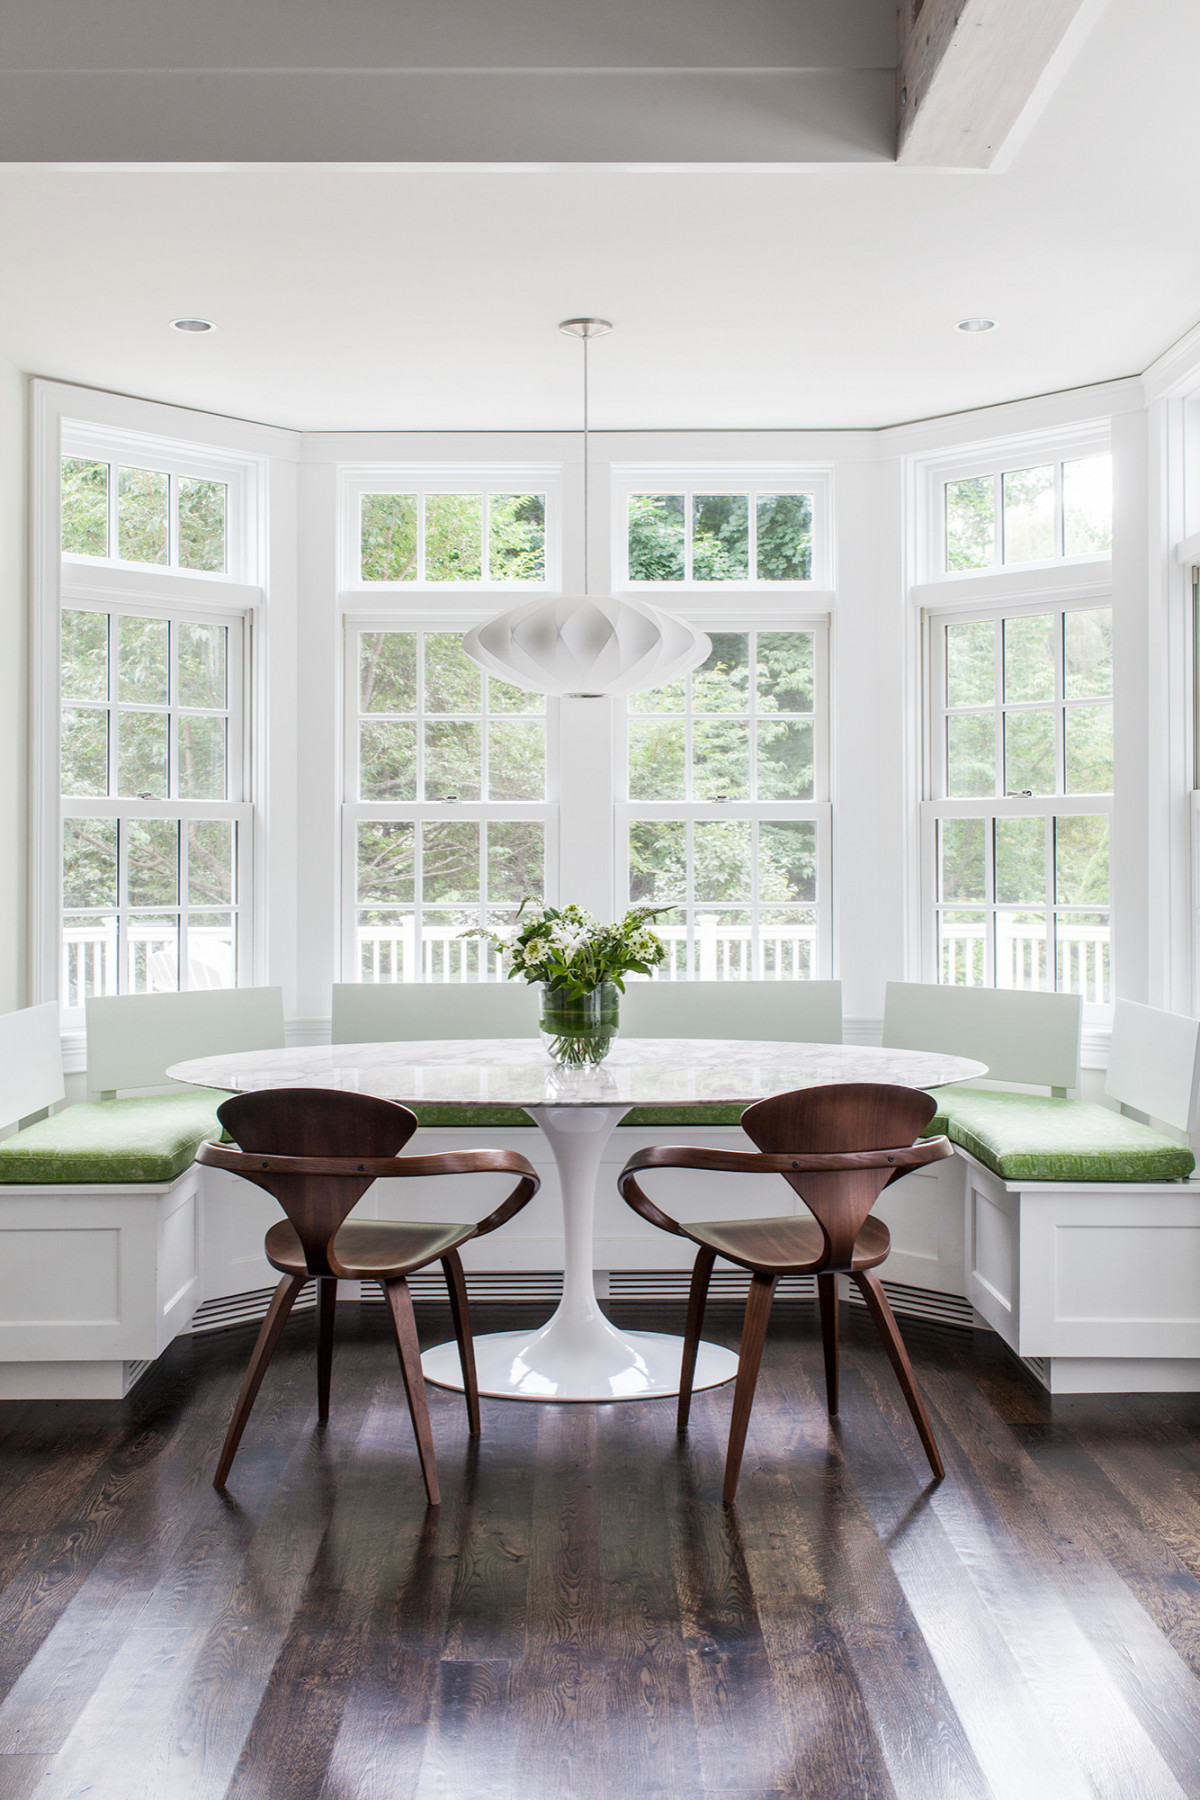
(1154, 1065)
(317, 1123)
(1024, 1037)
(798, 1012)
(838, 1121)
(390, 1011)
(31, 1071)
(133, 1038)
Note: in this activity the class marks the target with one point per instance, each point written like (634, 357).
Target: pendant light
(585, 645)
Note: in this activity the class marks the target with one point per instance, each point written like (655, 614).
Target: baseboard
(108, 1380)
(1115, 1374)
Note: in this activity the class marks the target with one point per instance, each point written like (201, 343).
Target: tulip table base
(578, 1354)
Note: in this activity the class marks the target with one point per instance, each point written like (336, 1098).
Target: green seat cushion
(1029, 1137)
(434, 1116)
(99, 1141)
(700, 1114)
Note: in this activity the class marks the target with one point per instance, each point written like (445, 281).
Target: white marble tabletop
(517, 1072)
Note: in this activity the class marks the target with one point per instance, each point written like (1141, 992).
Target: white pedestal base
(578, 1354)
(560, 1362)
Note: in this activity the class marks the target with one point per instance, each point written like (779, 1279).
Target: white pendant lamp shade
(586, 644)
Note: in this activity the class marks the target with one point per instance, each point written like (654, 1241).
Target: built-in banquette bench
(101, 1227)
(1080, 1222)
(1071, 1228)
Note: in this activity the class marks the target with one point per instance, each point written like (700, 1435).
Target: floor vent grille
(514, 1286)
(134, 1371)
(543, 1287)
(1039, 1368)
(924, 1303)
(726, 1284)
(245, 1309)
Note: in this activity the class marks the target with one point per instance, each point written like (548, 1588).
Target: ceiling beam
(968, 69)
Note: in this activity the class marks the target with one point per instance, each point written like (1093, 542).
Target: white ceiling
(426, 298)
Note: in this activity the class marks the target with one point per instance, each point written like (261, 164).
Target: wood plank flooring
(582, 1621)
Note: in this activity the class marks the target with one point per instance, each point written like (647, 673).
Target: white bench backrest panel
(798, 1012)
(370, 1012)
(31, 1071)
(133, 1038)
(1154, 1063)
(1025, 1037)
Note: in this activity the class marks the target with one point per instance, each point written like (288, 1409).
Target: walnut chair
(838, 1147)
(317, 1151)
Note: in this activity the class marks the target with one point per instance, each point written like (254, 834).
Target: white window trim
(354, 480)
(724, 478)
(177, 457)
(935, 806)
(995, 457)
(141, 429)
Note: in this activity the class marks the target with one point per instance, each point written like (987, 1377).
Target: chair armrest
(446, 1162)
(754, 1162)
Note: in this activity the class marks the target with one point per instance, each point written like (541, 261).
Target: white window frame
(116, 433)
(999, 457)
(991, 807)
(130, 449)
(723, 478)
(355, 811)
(235, 808)
(358, 479)
(628, 812)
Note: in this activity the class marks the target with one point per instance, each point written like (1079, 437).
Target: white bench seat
(104, 1254)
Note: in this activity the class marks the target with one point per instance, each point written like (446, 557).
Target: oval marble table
(578, 1354)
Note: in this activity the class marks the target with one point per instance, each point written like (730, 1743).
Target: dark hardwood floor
(581, 1620)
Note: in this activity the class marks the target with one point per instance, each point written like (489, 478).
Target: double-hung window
(155, 837)
(1022, 765)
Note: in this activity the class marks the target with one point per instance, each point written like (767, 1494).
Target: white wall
(13, 689)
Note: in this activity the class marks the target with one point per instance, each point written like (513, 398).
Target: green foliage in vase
(569, 951)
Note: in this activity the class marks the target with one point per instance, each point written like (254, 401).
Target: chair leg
(455, 1282)
(268, 1337)
(754, 1334)
(872, 1292)
(697, 1297)
(405, 1327)
(326, 1313)
(827, 1297)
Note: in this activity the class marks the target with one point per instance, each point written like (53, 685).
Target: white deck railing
(90, 962)
(719, 953)
(1084, 952)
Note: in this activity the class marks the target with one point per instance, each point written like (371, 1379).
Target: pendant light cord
(586, 476)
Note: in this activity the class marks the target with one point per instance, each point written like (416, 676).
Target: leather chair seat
(370, 1249)
(786, 1246)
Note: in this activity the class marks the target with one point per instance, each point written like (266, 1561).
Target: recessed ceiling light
(192, 325)
(976, 325)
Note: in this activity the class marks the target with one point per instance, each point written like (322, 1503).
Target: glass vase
(579, 1029)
